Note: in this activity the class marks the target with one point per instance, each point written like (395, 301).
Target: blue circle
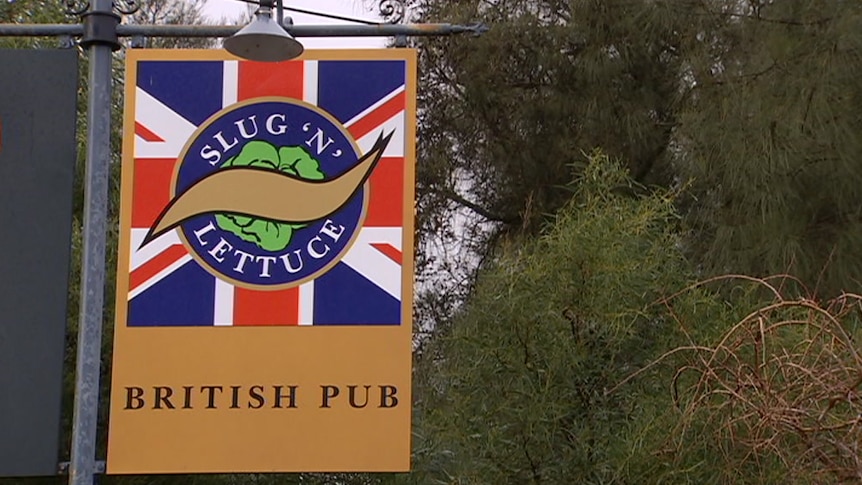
(313, 248)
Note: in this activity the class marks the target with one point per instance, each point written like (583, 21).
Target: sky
(366, 10)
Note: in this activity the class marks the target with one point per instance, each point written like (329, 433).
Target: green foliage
(511, 111)
(184, 12)
(754, 103)
(774, 397)
(771, 137)
(31, 11)
(517, 389)
(587, 356)
(752, 106)
(269, 235)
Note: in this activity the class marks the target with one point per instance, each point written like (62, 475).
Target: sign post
(100, 39)
(264, 288)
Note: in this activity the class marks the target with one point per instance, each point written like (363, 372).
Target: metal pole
(279, 12)
(382, 30)
(83, 465)
(208, 31)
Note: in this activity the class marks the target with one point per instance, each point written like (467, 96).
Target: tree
(515, 388)
(511, 110)
(585, 355)
(753, 102)
(748, 105)
(31, 11)
(770, 136)
(156, 12)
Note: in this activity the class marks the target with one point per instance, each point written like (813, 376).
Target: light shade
(263, 40)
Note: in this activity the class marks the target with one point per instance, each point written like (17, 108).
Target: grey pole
(210, 31)
(99, 46)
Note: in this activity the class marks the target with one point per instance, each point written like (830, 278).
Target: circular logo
(277, 138)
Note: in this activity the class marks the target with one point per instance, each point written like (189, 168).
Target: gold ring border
(233, 107)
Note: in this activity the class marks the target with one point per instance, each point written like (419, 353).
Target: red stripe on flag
(151, 189)
(156, 265)
(266, 308)
(386, 207)
(389, 250)
(377, 117)
(146, 134)
(258, 79)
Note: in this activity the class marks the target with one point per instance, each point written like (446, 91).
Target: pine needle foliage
(771, 137)
(32, 11)
(586, 356)
(516, 389)
(755, 104)
(504, 116)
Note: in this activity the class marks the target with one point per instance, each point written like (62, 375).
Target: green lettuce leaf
(269, 235)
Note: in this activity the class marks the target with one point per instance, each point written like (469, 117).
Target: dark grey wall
(37, 165)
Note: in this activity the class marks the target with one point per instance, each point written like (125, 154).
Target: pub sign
(265, 269)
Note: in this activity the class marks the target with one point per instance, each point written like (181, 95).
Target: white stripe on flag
(309, 92)
(230, 83)
(374, 106)
(396, 145)
(372, 264)
(162, 122)
(224, 295)
(306, 303)
(154, 248)
(158, 277)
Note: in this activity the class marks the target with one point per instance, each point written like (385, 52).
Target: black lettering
(234, 398)
(134, 398)
(163, 396)
(291, 396)
(255, 393)
(329, 392)
(211, 397)
(352, 394)
(387, 396)
(187, 397)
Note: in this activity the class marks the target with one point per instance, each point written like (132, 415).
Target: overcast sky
(348, 8)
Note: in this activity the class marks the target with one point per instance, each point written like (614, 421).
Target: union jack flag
(167, 287)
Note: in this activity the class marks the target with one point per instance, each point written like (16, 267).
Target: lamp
(263, 39)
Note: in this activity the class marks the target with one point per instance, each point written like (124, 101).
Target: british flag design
(167, 286)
